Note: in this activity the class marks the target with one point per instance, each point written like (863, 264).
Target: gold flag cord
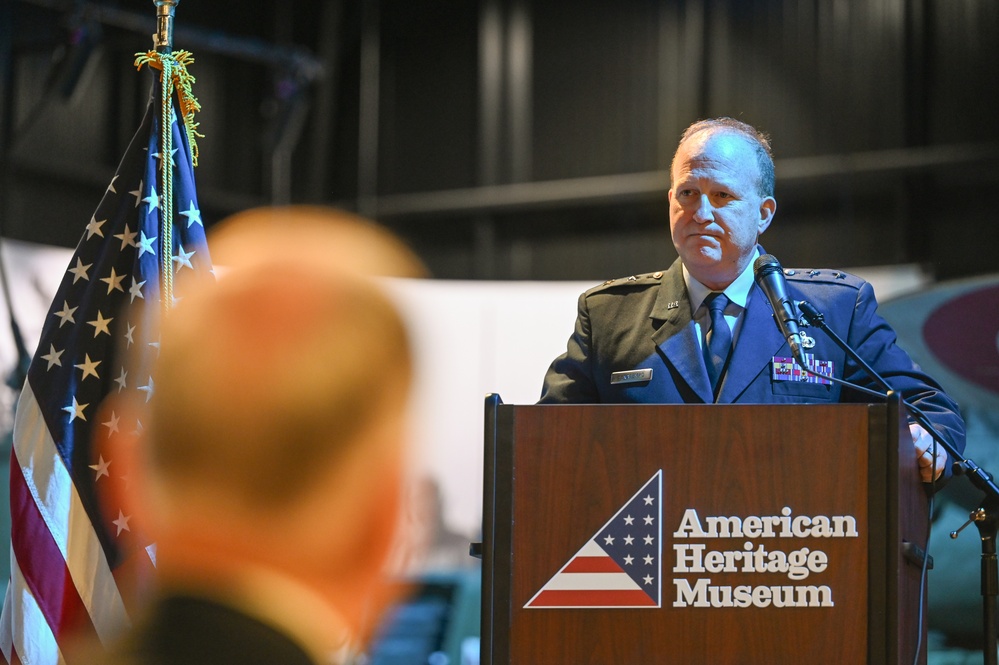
(174, 78)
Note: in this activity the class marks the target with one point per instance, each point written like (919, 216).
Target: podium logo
(620, 566)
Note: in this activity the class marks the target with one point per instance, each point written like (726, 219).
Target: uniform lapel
(759, 340)
(676, 338)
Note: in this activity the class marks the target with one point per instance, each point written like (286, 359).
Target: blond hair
(269, 374)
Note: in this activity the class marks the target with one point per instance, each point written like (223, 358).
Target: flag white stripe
(32, 636)
(591, 548)
(591, 582)
(46, 476)
(6, 633)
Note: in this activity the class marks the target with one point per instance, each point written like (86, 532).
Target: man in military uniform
(703, 331)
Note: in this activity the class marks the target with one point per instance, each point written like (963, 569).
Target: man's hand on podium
(930, 467)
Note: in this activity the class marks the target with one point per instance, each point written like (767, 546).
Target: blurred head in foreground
(269, 466)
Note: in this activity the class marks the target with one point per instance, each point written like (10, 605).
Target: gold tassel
(183, 84)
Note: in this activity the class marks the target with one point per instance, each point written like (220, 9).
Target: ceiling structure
(529, 139)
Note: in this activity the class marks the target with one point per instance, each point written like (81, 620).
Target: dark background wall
(530, 139)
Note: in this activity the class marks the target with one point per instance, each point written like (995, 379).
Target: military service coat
(635, 341)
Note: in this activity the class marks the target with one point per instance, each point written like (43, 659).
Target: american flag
(70, 567)
(620, 566)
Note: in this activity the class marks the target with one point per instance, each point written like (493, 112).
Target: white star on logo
(628, 540)
(647, 579)
(647, 519)
(648, 540)
(628, 520)
(628, 560)
(648, 559)
(648, 500)
(609, 540)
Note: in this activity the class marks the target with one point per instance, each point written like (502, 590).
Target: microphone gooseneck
(770, 277)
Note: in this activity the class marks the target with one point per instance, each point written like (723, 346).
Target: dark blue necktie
(719, 337)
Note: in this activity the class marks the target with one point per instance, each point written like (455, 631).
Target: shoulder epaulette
(646, 279)
(826, 275)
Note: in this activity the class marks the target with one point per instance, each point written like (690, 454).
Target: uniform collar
(737, 291)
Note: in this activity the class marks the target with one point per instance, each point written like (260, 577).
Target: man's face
(716, 213)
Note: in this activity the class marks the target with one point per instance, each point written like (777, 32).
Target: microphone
(770, 278)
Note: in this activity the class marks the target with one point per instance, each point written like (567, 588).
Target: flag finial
(163, 39)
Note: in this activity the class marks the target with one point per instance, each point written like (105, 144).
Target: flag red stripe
(42, 565)
(592, 598)
(592, 564)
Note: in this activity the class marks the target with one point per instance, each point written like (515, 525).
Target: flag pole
(163, 44)
(163, 39)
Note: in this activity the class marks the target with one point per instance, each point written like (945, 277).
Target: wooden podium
(786, 534)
